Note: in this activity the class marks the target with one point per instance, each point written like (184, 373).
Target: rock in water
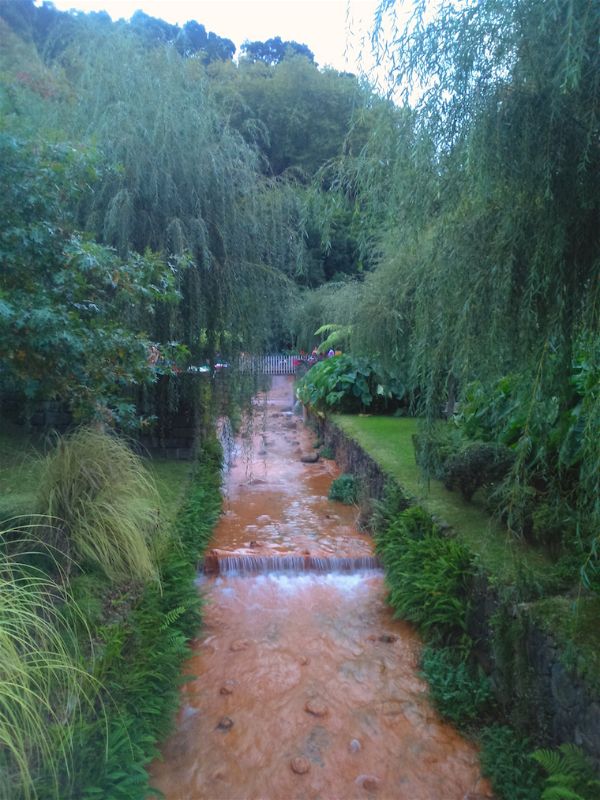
(369, 783)
(239, 644)
(225, 724)
(316, 708)
(300, 765)
(309, 458)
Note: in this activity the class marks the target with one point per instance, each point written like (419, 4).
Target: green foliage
(505, 760)
(344, 489)
(44, 687)
(478, 464)
(345, 383)
(428, 576)
(103, 503)
(570, 774)
(327, 452)
(385, 511)
(72, 312)
(462, 693)
(142, 642)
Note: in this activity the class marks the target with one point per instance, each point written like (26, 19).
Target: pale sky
(335, 30)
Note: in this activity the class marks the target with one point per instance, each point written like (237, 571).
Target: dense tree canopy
(273, 51)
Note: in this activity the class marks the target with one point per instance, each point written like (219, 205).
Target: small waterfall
(233, 564)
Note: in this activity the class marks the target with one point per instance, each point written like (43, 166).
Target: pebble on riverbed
(309, 458)
(316, 708)
(239, 644)
(227, 687)
(300, 765)
(225, 724)
(369, 783)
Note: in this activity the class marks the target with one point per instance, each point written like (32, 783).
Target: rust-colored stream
(305, 686)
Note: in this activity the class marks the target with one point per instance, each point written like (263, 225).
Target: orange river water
(305, 687)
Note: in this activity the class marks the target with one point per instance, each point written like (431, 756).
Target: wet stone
(388, 638)
(354, 746)
(300, 765)
(227, 687)
(239, 644)
(309, 458)
(225, 724)
(370, 783)
(316, 708)
(304, 660)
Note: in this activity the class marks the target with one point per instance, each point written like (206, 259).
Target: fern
(570, 774)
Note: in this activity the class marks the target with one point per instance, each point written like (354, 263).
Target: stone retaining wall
(536, 692)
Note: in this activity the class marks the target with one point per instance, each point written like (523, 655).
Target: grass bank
(388, 440)
(132, 633)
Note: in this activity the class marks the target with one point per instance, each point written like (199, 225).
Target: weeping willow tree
(181, 182)
(487, 208)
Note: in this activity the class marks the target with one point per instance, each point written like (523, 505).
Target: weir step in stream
(216, 563)
(303, 686)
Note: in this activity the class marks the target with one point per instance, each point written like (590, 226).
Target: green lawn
(21, 463)
(19, 470)
(388, 440)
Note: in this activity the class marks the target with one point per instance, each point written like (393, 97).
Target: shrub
(505, 760)
(394, 501)
(344, 489)
(429, 576)
(476, 465)
(461, 692)
(104, 504)
(435, 445)
(348, 384)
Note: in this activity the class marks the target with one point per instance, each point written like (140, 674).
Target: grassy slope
(573, 623)
(20, 467)
(388, 440)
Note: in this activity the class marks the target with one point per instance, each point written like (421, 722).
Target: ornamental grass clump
(41, 683)
(104, 505)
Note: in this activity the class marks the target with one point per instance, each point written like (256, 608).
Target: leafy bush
(462, 693)
(478, 464)
(506, 761)
(327, 452)
(393, 502)
(104, 504)
(435, 445)
(347, 384)
(429, 576)
(344, 489)
(570, 774)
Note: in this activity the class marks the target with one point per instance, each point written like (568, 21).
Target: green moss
(573, 624)
(389, 441)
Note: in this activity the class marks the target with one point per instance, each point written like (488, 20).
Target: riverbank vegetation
(165, 209)
(99, 602)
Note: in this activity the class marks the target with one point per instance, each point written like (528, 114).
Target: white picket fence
(272, 364)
